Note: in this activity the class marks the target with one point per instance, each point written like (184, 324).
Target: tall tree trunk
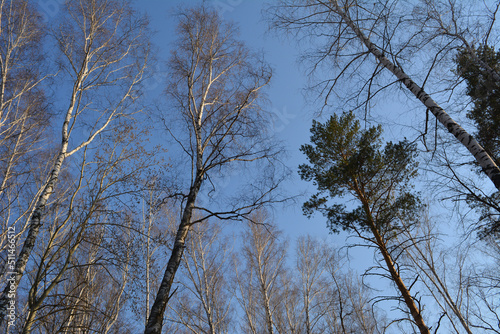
(155, 321)
(48, 189)
(34, 228)
(396, 278)
(481, 156)
(267, 308)
(405, 293)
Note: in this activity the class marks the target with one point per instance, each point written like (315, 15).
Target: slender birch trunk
(36, 218)
(155, 320)
(267, 307)
(106, 59)
(485, 161)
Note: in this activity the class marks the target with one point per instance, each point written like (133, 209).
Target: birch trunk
(48, 189)
(36, 218)
(155, 321)
(484, 160)
(267, 306)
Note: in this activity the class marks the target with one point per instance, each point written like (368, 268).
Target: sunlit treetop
(348, 162)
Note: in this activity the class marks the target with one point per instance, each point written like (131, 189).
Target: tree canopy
(347, 160)
(484, 92)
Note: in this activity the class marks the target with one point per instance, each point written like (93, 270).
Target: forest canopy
(222, 166)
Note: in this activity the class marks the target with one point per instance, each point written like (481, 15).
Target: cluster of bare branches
(98, 234)
(76, 166)
(258, 288)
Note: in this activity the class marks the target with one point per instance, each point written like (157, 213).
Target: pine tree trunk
(396, 278)
(405, 293)
(484, 160)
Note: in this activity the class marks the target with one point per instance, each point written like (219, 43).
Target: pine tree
(483, 88)
(347, 162)
(484, 92)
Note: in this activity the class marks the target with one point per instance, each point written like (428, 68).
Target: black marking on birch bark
(420, 93)
(496, 178)
(449, 126)
(37, 214)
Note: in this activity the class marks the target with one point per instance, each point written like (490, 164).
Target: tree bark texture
(405, 293)
(155, 321)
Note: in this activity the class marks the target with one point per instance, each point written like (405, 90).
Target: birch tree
(23, 114)
(215, 89)
(106, 175)
(481, 288)
(78, 302)
(349, 25)
(348, 305)
(205, 302)
(103, 49)
(153, 239)
(345, 160)
(312, 257)
(258, 283)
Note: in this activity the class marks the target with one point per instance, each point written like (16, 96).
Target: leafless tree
(335, 298)
(104, 179)
(78, 302)
(103, 47)
(289, 315)
(421, 250)
(152, 240)
(350, 308)
(354, 30)
(23, 117)
(311, 258)
(480, 287)
(205, 304)
(258, 283)
(215, 90)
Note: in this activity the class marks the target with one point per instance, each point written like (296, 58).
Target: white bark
(484, 160)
